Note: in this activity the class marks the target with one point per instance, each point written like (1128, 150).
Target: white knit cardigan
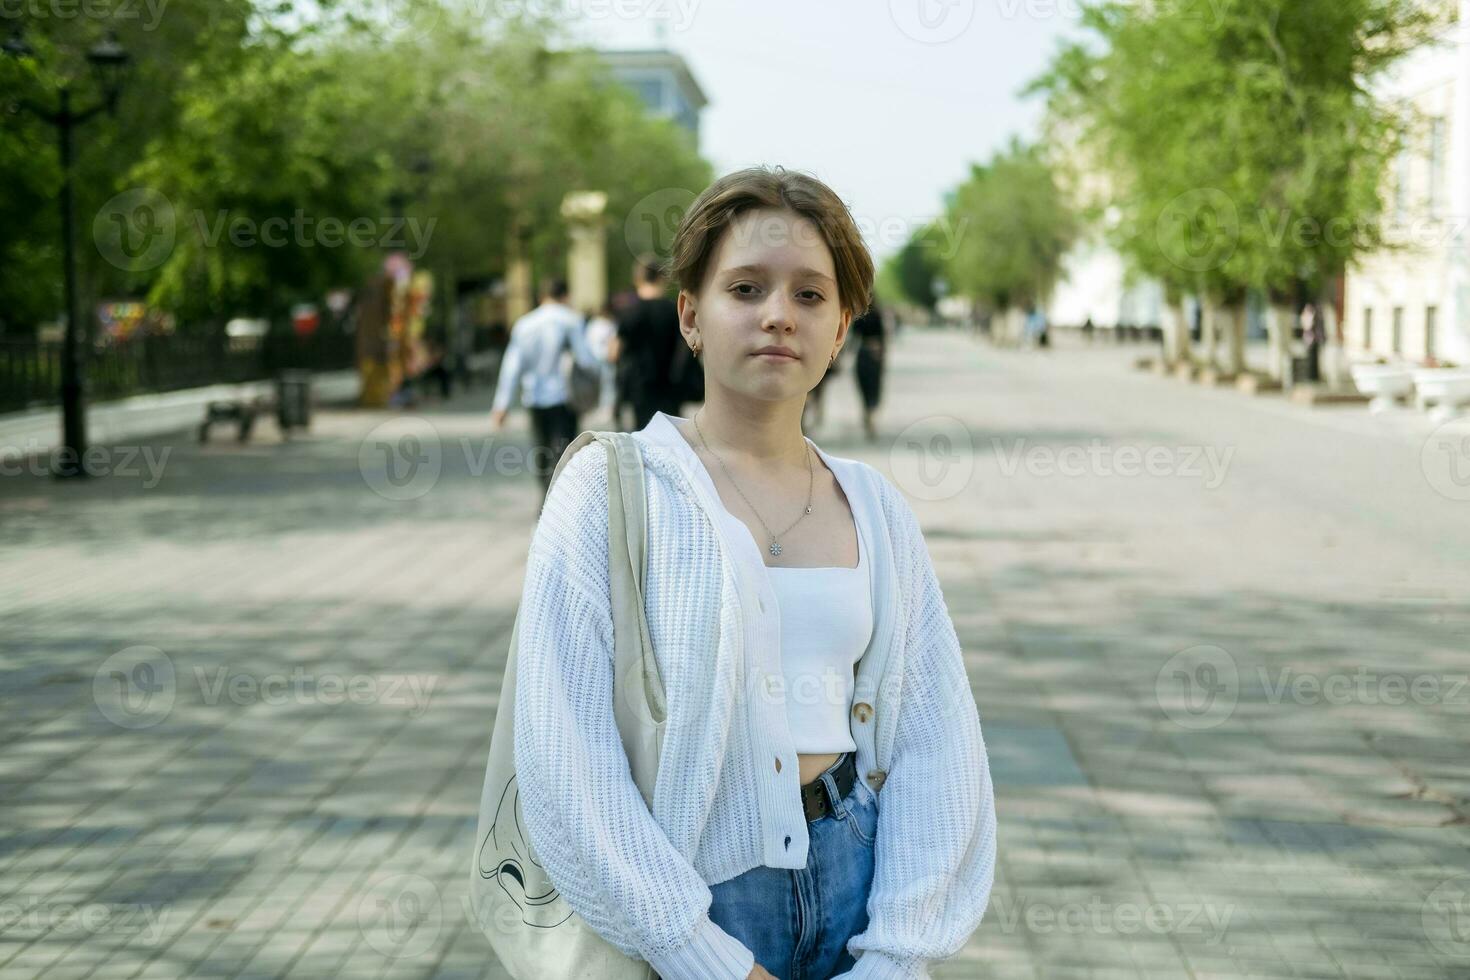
(728, 791)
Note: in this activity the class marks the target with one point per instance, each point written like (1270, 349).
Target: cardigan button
(876, 778)
(862, 711)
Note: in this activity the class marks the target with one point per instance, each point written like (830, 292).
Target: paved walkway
(1219, 646)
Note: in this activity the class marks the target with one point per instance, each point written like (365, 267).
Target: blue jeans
(798, 921)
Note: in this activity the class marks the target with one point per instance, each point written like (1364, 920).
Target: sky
(888, 101)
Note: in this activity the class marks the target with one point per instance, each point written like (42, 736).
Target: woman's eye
(743, 285)
(812, 294)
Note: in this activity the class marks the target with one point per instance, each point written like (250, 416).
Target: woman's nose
(778, 315)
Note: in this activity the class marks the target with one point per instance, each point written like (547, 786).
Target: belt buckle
(825, 803)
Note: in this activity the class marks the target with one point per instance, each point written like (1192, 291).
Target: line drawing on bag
(507, 836)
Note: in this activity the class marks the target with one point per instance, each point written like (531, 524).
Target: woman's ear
(688, 326)
(842, 326)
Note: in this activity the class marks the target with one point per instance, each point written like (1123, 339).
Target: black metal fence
(30, 371)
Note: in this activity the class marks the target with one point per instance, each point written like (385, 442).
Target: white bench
(1386, 383)
(1446, 389)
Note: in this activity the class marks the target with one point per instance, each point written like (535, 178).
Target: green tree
(910, 272)
(1016, 226)
(1241, 138)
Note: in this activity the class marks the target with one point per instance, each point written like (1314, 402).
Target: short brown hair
(778, 189)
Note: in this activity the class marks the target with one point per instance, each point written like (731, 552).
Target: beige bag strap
(639, 704)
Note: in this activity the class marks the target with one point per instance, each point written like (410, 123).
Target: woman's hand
(759, 973)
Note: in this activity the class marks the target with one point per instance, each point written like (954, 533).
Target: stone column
(1454, 338)
(519, 293)
(587, 256)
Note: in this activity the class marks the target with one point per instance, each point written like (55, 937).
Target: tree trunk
(1235, 339)
(1176, 333)
(1209, 333)
(1279, 318)
(1333, 369)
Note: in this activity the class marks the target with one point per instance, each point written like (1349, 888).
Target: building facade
(1411, 303)
(663, 81)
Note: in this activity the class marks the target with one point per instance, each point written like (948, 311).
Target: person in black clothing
(871, 345)
(648, 334)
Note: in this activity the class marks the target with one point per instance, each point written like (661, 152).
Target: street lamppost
(109, 62)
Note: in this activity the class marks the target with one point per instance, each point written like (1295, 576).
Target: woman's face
(770, 282)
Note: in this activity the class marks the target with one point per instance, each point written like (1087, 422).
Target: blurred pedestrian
(811, 412)
(1036, 327)
(436, 366)
(602, 335)
(648, 334)
(532, 369)
(867, 331)
(1313, 337)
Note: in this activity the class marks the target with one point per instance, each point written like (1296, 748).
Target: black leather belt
(814, 797)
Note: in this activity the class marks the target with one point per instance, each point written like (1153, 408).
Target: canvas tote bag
(533, 930)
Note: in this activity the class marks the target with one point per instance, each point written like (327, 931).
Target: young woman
(823, 804)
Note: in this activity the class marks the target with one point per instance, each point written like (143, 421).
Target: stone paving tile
(245, 712)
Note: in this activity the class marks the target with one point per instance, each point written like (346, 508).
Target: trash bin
(293, 400)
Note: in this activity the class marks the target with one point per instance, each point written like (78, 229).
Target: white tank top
(826, 622)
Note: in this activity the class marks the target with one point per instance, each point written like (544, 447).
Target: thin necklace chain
(775, 546)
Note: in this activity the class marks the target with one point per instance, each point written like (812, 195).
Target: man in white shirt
(532, 369)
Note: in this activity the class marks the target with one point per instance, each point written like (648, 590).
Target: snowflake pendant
(775, 548)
